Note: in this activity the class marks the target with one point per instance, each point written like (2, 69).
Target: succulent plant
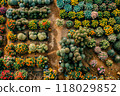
(109, 62)
(91, 42)
(41, 61)
(69, 24)
(60, 22)
(72, 15)
(21, 36)
(117, 20)
(74, 2)
(111, 52)
(99, 32)
(91, 32)
(2, 19)
(115, 13)
(60, 3)
(67, 1)
(30, 62)
(11, 25)
(93, 63)
(3, 2)
(68, 8)
(97, 49)
(80, 15)
(94, 14)
(81, 5)
(117, 58)
(87, 14)
(86, 23)
(103, 22)
(104, 44)
(118, 36)
(77, 23)
(71, 33)
(103, 7)
(94, 23)
(42, 36)
(32, 48)
(112, 38)
(117, 46)
(88, 6)
(108, 30)
(63, 14)
(89, 1)
(95, 7)
(76, 8)
(42, 48)
(103, 56)
(32, 35)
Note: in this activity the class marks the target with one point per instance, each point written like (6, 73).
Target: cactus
(112, 38)
(68, 8)
(42, 48)
(21, 36)
(42, 36)
(69, 24)
(76, 8)
(104, 44)
(87, 14)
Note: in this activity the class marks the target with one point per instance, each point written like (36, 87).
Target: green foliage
(104, 44)
(99, 32)
(118, 36)
(2, 19)
(91, 42)
(112, 6)
(103, 7)
(99, 2)
(112, 38)
(117, 58)
(33, 25)
(80, 15)
(88, 6)
(87, 14)
(86, 23)
(103, 22)
(69, 24)
(68, 7)
(72, 15)
(76, 8)
(95, 7)
(63, 14)
(100, 14)
(117, 20)
(106, 14)
(77, 23)
(94, 23)
(117, 46)
(111, 52)
(111, 21)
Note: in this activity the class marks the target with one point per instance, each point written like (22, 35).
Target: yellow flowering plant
(108, 30)
(74, 2)
(77, 23)
(11, 36)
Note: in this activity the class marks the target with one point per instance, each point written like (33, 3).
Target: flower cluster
(2, 29)
(6, 75)
(93, 63)
(11, 25)
(108, 30)
(101, 70)
(11, 36)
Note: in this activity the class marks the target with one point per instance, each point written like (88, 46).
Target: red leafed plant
(2, 29)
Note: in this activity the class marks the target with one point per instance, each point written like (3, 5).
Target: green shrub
(86, 23)
(100, 14)
(80, 15)
(117, 46)
(111, 52)
(63, 14)
(104, 44)
(91, 42)
(117, 28)
(99, 32)
(112, 38)
(94, 23)
(69, 24)
(111, 21)
(103, 7)
(2, 19)
(72, 15)
(109, 62)
(106, 14)
(77, 24)
(33, 25)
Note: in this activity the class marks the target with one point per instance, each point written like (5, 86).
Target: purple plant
(3, 11)
(97, 49)
(101, 70)
(103, 56)
(94, 14)
(93, 63)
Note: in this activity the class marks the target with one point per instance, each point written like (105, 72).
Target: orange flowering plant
(11, 25)
(41, 61)
(11, 36)
(108, 30)
(30, 62)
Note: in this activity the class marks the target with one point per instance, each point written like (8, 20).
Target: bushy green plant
(99, 2)
(32, 35)
(100, 14)
(88, 6)
(76, 8)
(2, 19)
(99, 32)
(41, 61)
(63, 14)
(115, 13)
(94, 23)
(33, 25)
(69, 24)
(71, 33)
(111, 52)
(117, 2)
(103, 22)
(60, 22)
(109, 62)
(91, 42)
(117, 58)
(80, 15)
(117, 20)
(21, 36)
(42, 36)
(118, 36)
(112, 38)
(103, 7)
(95, 7)
(45, 24)
(111, 6)
(21, 75)
(86, 23)
(104, 44)
(89, 1)
(67, 1)
(87, 14)
(72, 15)
(117, 46)
(77, 23)
(111, 21)
(42, 48)
(106, 14)
(68, 7)
(108, 1)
